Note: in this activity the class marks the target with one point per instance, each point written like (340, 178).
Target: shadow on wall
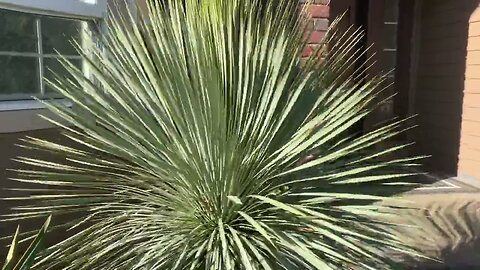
(9, 150)
(440, 81)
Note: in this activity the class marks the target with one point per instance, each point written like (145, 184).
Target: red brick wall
(469, 159)
(319, 10)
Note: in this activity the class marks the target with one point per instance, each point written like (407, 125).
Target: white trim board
(18, 105)
(65, 8)
(448, 185)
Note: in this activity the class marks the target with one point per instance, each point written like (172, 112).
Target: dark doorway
(355, 13)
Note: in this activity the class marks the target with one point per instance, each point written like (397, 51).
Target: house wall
(319, 11)
(469, 158)
(9, 150)
(440, 81)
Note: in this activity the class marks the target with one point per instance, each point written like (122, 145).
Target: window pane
(390, 35)
(53, 66)
(390, 60)
(17, 32)
(18, 75)
(391, 11)
(58, 33)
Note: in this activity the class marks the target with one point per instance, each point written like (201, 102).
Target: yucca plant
(15, 261)
(202, 141)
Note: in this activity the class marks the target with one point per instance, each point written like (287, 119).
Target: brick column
(319, 10)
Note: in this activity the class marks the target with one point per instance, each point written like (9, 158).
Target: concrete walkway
(448, 224)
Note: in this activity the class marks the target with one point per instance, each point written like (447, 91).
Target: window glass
(390, 58)
(18, 75)
(390, 36)
(391, 11)
(28, 52)
(58, 34)
(17, 32)
(53, 66)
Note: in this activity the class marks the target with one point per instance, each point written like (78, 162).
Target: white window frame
(86, 9)
(41, 56)
(70, 9)
(22, 115)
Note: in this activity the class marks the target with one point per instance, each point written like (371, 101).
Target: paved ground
(448, 223)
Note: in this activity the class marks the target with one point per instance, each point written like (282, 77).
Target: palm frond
(202, 142)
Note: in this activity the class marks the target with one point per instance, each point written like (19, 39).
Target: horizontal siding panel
(475, 17)
(472, 102)
(441, 5)
(454, 68)
(431, 105)
(452, 30)
(428, 125)
(436, 130)
(472, 72)
(444, 45)
(472, 86)
(470, 152)
(438, 7)
(473, 58)
(471, 114)
(435, 96)
(469, 168)
(452, 16)
(436, 16)
(444, 71)
(474, 29)
(455, 57)
(470, 142)
(439, 127)
(473, 44)
(445, 131)
(471, 127)
(450, 84)
(441, 108)
(431, 147)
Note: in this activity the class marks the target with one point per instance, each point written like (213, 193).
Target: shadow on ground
(448, 229)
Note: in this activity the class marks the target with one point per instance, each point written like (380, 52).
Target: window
(28, 52)
(390, 27)
(63, 8)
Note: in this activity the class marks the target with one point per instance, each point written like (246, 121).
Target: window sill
(20, 105)
(23, 116)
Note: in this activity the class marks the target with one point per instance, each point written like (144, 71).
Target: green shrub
(207, 144)
(14, 261)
